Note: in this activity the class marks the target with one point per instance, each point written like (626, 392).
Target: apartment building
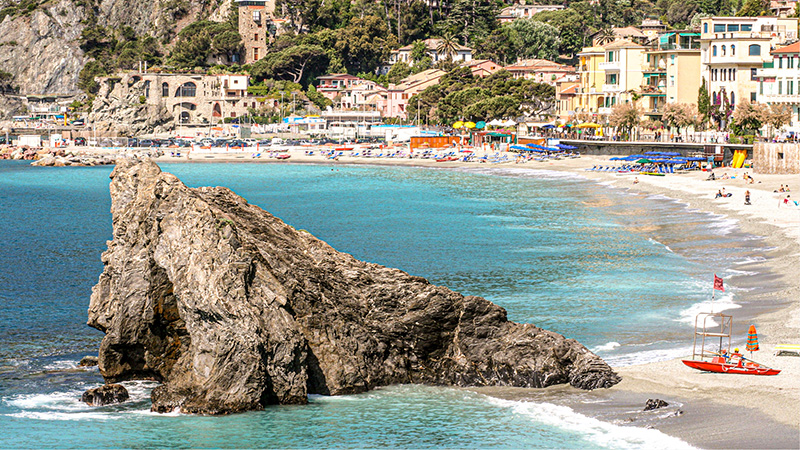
(542, 71)
(522, 11)
(399, 94)
(671, 71)
(622, 73)
(590, 97)
(432, 46)
(734, 48)
(779, 81)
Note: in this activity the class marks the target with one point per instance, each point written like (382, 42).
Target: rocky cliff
(232, 309)
(119, 112)
(40, 49)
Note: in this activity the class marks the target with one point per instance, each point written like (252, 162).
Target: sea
(622, 273)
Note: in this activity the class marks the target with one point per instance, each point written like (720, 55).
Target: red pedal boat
(719, 365)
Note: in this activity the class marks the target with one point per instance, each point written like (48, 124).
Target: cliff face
(231, 309)
(41, 49)
(118, 112)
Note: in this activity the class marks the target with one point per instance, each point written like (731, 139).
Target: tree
(298, 64)
(498, 46)
(703, 102)
(625, 117)
(535, 39)
(776, 116)
(364, 44)
(448, 46)
(605, 35)
(747, 119)
(571, 25)
(754, 8)
(418, 51)
(398, 71)
(472, 20)
(204, 39)
(679, 115)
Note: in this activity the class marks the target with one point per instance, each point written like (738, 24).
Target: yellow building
(671, 72)
(590, 98)
(623, 72)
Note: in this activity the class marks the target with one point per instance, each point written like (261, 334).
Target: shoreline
(718, 411)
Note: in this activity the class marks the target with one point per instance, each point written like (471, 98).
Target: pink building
(542, 71)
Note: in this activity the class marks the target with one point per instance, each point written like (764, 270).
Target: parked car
(78, 123)
(79, 141)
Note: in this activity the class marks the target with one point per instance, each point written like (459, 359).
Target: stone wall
(776, 158)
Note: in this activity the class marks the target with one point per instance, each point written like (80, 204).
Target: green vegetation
(459, 96)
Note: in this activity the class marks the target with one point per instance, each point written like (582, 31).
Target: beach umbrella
(588, 125)
(752, 340)
(469, 125)
(644, 161)
(480, 125)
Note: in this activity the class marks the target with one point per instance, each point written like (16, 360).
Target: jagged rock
(232, 309)
(105, 395)
(88, 361)
(115, 113)
(654, 403)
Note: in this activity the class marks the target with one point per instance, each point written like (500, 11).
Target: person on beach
(724, 176)
(747, 197)
(719, 194)
(636, 180)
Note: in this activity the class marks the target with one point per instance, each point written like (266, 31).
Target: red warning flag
(718, 283)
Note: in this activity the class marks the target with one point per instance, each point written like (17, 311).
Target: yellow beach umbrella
(458, 124)
(469, 125)
(588, 125)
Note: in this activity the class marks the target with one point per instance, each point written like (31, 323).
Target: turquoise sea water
(622, 274)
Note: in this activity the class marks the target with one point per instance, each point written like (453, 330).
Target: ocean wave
(606, 347)
(52, 415)
(530, 173)
(723, 303)
(647, 356)
(601, 433)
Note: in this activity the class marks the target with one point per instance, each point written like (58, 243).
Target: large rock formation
(232, 309)
(117, 111)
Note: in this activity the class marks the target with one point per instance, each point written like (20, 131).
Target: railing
(779, 98)
(611, 88)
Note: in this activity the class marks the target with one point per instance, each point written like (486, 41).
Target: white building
(432, 46)
(623, 72)
(779, 81)
(734, 48)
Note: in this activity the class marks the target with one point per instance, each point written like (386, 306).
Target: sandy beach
(707, 410)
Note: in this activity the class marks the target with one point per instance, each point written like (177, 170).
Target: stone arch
(185, 117)
(217, 111)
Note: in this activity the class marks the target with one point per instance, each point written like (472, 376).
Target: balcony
(611, 65)
(780, 98)
(604, 111)
(647, 68)
(611, 88)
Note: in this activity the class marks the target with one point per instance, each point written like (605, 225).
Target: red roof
(791, 48)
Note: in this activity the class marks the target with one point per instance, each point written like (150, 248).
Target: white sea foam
(653, 241)
(62, 365)
(723, 303)
(606, 347)
(51, 415)
(532, 173)
(601, 433)
(647, 356)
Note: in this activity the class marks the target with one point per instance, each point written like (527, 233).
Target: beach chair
(787, 350)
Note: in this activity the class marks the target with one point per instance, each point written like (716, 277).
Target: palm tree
(605, 35)
(448, 45)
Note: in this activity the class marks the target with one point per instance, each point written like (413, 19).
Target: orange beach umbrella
(752, 340)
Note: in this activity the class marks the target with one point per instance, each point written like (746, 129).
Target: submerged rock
(88, 361)
(105, 395)
(654, 403)
(232, 309)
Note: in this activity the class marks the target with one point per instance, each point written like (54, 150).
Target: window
(723, 50)
(752, 97)
(719, 28)
(753, 74)
(733, 27)
(733, 99)
(147, 89)
(724, 75)
(186, 90)
(164, 90)
(610, 56)
(780, 87)
(790, 87)
(672, 59)
(255, 37)
(790, 63)
(761, 87)
(714, 51)
(672, 80)
(648, 57)
(733, 50)
(754, 50)
(705, 27)
(780, 62)
(747, 27)
(733, 74)
(255, 54)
